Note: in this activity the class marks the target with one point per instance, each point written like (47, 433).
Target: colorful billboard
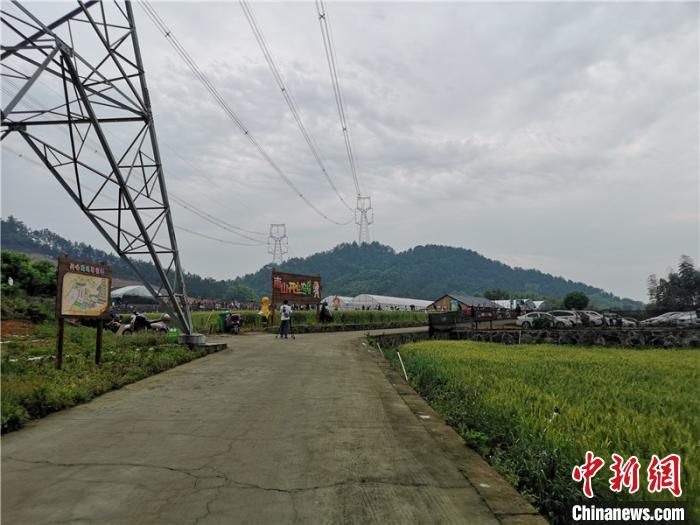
(295, 288)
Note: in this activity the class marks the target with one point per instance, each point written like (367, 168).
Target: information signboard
(84, 291)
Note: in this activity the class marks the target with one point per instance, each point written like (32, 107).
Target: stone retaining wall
(617, 337)
(396, 340)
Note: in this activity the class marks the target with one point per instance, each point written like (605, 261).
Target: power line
(199, 234)
(95, 147)
(215, 220)
(177, 200)
(287, 95)
(337, 92)
(363, 207)
(180, 50)
(234, 243)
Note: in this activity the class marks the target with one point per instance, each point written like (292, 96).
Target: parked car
(659, 320)
(686, 319)
(544, 319)
(535, 318)
(594, 318)
(613, 319)
(566, 318)
(628, 322)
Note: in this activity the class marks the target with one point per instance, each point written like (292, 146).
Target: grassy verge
(33, 388)
(534, 410)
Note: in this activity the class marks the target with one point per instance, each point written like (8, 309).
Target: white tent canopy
(513, 303)
(374, 302)
(338, 302)
(138, 291)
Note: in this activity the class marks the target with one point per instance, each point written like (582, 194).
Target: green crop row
(253, 321)
(534, 411)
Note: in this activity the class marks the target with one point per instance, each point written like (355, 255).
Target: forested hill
(16, 236)
(423, 272)
(426, 272)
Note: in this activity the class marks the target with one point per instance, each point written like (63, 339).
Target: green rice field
(534, 410)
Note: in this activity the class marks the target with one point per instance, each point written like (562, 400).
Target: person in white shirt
(285, 319)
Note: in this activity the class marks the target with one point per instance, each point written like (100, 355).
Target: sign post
(296, 289)
(84, 291)
(59, 343)
(98, 345)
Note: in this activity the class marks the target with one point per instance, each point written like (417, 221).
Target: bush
(541, 322)
(16, 304)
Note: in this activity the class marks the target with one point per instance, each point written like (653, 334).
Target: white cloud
(564, 134)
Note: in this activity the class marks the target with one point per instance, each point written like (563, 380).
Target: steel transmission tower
(364, 216)
(81, 103)
(277, 243)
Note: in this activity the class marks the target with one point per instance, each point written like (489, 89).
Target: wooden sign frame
(69, 267)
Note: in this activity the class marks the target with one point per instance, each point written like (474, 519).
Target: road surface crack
(296, 490)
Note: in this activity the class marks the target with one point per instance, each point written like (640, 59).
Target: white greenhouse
(338, 302)
(133, 292)
(377, 302)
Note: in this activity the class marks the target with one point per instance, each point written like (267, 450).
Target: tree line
(679, 290)
(17, 236)
(423, 272)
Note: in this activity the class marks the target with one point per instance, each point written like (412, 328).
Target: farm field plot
(534, 411)
(253, 321)
(33, 388)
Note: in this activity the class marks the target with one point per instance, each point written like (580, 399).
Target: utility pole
(94, 132)
(277, 243)
(364, 216)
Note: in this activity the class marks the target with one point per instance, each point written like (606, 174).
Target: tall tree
(679, 290)
(576, 300)
(652, 287)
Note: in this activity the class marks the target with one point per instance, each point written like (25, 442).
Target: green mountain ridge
(423, 272)
(427, 272)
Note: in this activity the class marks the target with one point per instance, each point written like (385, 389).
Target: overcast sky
(557, 136)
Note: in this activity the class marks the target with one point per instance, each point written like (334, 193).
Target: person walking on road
(285, 319)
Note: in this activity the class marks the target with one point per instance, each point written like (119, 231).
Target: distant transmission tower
(277, 243)
(364, 216)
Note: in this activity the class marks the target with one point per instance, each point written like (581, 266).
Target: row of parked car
(679, 319)
(574, 318)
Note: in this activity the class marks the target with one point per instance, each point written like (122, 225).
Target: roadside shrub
(541, 322)
(17, 305)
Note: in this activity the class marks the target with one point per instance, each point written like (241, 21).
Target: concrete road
(268, 432)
